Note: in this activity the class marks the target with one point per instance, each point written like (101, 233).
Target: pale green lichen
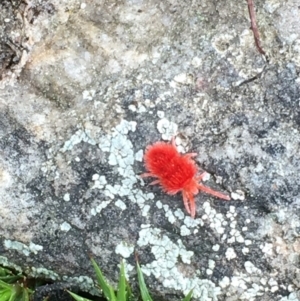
(22, 248)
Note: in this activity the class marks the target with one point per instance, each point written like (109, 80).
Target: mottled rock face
(88, 85)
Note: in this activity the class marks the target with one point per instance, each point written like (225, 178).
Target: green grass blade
(4, 271)
(25, 295)
(5, 295)
(130, 296)
(107, 289)
(188, 296)
(78, 298)
(5, 285)
(13, 294)
(142, 285)
(121, 295)
(10, 278)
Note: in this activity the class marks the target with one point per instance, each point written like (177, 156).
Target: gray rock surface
(88, 85)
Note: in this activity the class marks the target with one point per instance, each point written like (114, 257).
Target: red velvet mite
(175, 172)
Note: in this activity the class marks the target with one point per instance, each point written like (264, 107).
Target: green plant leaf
(78, 298)
(107, 289)
(121, 295)
(144, 291)
(188, 296)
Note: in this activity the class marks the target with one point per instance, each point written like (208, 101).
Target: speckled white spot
(22, 248)
(124, 249)
(79, 136)
(230, 254)
(67, 197)
(181, 78)
(83, 5)
(141, 109)
(267, 249)
(159, 204)
(132, 108)
(216, 248)
(245, 250)
(224, 282)
(171, 218)
(185, 231)
(248, 242)
(250, 268)
(179, 214)
(167, 129)
(120, 204)
(161, 114)
(238, 195)
(88, 95)
(98, 209)
(145, 210)
(65, 227)
(164, 267)
(192, 223)
(139, 155)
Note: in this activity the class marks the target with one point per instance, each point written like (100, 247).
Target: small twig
(254, 25)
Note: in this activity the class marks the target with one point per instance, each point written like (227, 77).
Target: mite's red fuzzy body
(176, 173)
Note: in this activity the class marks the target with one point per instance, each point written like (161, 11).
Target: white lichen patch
(160, 114)
(251, 269)
(159, 204)
(167, 128)
(164, 267)
(120, 204)
(139, 155)
(124, 249)
(22, 248)
(85, 283)
(145, 210)
(216, 248)
(79, 136)
(170, 216)
(238, 195)
(230, 254)
(65, 227)
(291, 297)
(179, 214)
(215, 219)
(185, 231)
(99, 181)
(267, 248)
(121, 155)
(66, 197)
(88, 94)
(42, 272)
(98, 209)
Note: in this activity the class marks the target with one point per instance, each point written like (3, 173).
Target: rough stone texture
(88, 86)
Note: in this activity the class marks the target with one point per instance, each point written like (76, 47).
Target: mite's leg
(200, 177)
(192, 204)
(155, 182)
(146, 175)
(186, 202)
(213, 192)
(190, 155)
